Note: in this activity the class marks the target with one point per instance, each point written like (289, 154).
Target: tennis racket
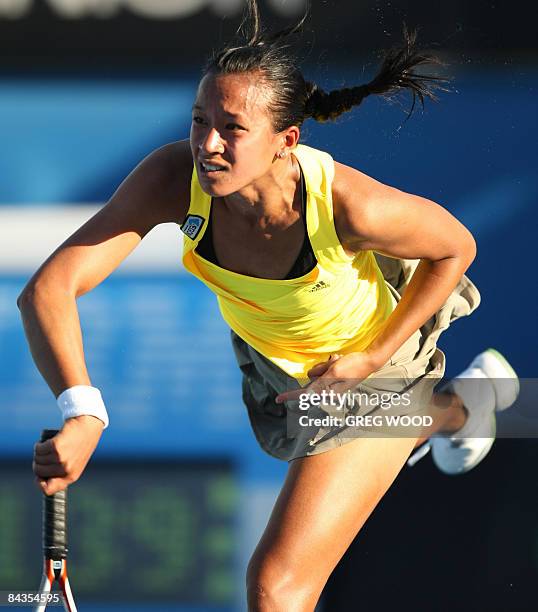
(54, 545)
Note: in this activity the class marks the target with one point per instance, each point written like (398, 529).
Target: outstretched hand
(339, 374)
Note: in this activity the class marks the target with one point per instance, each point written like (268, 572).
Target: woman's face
(232, 140)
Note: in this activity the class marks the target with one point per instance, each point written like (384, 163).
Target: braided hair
(294, 99)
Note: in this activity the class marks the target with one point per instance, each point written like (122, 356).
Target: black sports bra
(305, 262)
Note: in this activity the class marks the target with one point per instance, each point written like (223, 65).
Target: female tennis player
(331, 283)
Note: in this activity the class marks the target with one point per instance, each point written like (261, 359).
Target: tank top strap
(318, 171)
(197, 219)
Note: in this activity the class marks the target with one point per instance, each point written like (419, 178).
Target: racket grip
(54, 517)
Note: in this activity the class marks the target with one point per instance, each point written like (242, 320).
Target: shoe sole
(511, 375)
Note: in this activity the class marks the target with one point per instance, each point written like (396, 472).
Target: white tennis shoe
(488, 385)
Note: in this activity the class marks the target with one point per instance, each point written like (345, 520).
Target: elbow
(28, 302)
(466, 248)
(471, 250)
(26, 297)
(466, 254)
(29, 295)
(463, 253)
(36, 293)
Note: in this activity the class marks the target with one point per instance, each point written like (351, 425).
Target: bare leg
(325, 500)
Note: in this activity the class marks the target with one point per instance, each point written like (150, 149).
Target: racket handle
(54, 517)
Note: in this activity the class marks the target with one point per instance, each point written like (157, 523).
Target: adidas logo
(319, 286)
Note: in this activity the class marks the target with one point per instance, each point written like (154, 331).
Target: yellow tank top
(338, 307)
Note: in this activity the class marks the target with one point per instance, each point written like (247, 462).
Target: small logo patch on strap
(192, 226)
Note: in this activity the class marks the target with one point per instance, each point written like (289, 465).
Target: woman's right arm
(157, 191)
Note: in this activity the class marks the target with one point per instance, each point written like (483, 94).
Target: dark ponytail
(395, 75)
(292, 99)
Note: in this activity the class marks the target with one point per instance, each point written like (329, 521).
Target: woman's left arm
(370, 216)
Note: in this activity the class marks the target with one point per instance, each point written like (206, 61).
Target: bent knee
(276, 586)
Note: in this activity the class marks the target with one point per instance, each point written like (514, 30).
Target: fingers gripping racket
(55, 544)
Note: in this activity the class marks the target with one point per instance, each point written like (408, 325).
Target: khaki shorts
(402, 387)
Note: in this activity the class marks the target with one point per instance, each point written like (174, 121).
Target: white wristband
(82, 400)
